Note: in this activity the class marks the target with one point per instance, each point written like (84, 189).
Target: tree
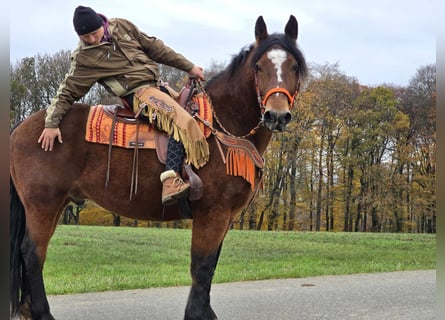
(373, 126)
(419, 103)
(331, 94)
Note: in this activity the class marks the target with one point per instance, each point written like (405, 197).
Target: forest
(355, 158)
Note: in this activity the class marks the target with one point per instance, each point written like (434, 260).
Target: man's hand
(48, 136)
(197, 72)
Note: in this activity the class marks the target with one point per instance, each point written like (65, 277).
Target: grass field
(88, 259)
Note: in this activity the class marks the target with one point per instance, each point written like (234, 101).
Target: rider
(116, 54)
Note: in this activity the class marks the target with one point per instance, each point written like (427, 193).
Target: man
(114, 53)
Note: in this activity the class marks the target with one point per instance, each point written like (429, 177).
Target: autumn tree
(419, 103)
(373, 127)
(34, 82)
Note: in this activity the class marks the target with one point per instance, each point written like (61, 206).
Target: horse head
(278, 66)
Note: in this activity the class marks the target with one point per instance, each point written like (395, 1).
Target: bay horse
(252, 98)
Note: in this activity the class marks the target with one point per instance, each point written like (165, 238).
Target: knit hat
(86, 20)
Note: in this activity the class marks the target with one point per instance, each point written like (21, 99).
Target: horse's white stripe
(277, 56)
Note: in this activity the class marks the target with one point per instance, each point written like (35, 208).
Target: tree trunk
(320, 187)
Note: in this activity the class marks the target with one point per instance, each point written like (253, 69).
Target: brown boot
(173, 187)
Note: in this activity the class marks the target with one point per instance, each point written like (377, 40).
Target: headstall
(262, 101)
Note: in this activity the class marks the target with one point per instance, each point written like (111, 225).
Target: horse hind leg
(34, 294)
(33, 304)
(29, 244)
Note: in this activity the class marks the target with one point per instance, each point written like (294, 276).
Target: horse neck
(261, 139)
(236, 105)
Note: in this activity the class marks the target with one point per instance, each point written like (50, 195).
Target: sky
(376, 42)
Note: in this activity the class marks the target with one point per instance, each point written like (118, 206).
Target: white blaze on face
(277, 56)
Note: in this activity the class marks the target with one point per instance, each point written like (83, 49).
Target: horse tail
(17, 233)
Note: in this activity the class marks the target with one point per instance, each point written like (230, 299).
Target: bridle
(262, 101)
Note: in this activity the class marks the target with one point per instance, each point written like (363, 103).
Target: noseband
(262, 102)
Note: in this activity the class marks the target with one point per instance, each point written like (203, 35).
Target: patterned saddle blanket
(103, 127)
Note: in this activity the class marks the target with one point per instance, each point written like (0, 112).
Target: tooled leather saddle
(118, 125)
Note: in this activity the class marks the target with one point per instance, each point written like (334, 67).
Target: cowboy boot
(173, 187)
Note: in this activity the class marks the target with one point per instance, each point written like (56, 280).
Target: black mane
(287, 44)
(282, 40)
(239, 59)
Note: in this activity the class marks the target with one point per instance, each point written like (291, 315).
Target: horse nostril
(287, 117)
(269, 117)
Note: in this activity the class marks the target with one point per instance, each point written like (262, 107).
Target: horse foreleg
(202, 271)
(207, 241)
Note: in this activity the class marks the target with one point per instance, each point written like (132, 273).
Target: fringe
(239, 163)
(196, 152)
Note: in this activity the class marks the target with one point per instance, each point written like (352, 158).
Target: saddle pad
(99, 125)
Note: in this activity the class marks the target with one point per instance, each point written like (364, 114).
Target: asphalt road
(409, 295)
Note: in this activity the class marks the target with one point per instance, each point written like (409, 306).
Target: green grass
(88, 259)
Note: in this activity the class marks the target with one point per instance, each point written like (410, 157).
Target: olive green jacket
(129, 61)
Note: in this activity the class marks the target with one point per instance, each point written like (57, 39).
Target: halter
(262, 102)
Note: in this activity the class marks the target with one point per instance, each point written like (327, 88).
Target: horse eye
(257, 68)
(296, 68)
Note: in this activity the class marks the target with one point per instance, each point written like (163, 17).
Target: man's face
(94, 37)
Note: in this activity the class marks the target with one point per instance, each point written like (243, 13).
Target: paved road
(407, 295)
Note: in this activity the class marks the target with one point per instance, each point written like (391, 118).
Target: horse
(252, 98)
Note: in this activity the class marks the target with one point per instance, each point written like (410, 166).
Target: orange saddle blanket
(99, 130)
(100, 123)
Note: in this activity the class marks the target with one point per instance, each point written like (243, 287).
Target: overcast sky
(378, 41)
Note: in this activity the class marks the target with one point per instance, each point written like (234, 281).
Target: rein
(242, 157)
(250, 133)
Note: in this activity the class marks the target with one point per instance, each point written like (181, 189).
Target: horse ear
(260, 30)
(291, 28)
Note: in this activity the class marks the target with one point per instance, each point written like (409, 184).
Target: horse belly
(133, 193)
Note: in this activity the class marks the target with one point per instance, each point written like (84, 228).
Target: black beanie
(86, 20)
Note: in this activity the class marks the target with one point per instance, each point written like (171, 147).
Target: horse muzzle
(276, 121)
(276, 115)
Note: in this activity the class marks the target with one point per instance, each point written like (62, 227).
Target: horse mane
(239, 59)
(286, 43)
(280, 39)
